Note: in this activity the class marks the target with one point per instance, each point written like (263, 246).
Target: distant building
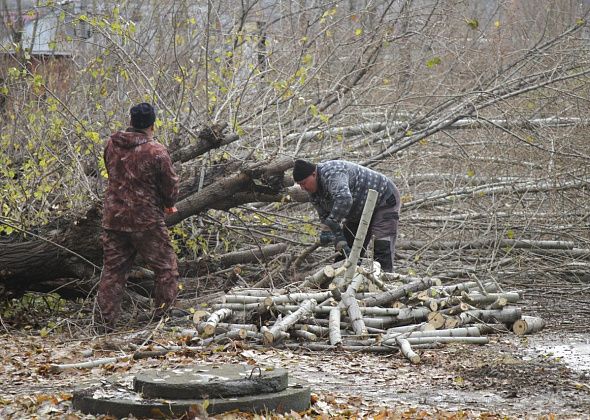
(42, 38)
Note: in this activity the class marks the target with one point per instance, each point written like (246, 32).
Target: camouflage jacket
(142, 182)
(343, 187)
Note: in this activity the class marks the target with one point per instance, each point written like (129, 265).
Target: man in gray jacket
(338, 190)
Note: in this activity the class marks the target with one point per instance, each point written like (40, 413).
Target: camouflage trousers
(120, 249)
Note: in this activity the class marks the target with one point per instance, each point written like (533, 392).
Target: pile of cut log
(404, 314)
(358, 307)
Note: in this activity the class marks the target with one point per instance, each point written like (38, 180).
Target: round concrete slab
(120, 404)
(210, 381)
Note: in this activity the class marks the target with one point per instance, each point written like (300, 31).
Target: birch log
(361, 234)
(455, 332)
(300, 297)
(223, 327)
(243, 299)
(382, 299)
(272, 334)
(447, 340)
(215, 318)
(406, 348)
(231, 335)
(480, 299)
(199, 315)
(423, 326)
(257, 291)
(240, 307)
(528, 325)
(334, 327)
(345, 325)
(304, 335)
(320, 278)
(315, 329)
(468, 286)
(504, 316)
(351, 305)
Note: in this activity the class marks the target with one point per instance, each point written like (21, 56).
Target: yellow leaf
(93, 136)
(358, 32)
(473, 23)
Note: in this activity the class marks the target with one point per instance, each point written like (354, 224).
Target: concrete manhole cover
(176, 392)
(214, 381)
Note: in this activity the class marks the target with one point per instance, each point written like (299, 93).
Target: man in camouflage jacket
(338, 190)
(142, 186)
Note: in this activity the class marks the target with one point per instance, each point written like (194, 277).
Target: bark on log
(350, 304)
(320, 278)
(217, 192)
(406, 348)
(256, 255)
(214, 319)
(479, 299)
(361, 234)
(223, 327)
(232, 335)
(64, 249)
(389, 296)
(300, 297)
(504, 316)
(271, 335)
(343, 325)
(334, 327)
(304, 335)
(423, 326)
(316, 329)
(446, 340)
(454, 332)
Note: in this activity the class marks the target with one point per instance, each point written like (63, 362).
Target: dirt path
(511, 377)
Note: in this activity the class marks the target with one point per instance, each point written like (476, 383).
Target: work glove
(333, 225)
(327, 237)
(341, 244)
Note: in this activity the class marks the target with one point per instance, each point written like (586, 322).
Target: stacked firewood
(374, 311)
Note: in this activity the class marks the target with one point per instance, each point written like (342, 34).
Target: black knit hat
(142, 115)
(302, 169)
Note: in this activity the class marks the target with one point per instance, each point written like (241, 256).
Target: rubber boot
(382, 254)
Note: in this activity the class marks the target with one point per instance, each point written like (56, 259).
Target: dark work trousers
(120, 249)
(383, 228)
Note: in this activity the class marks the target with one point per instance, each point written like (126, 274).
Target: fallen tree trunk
(69, 248)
